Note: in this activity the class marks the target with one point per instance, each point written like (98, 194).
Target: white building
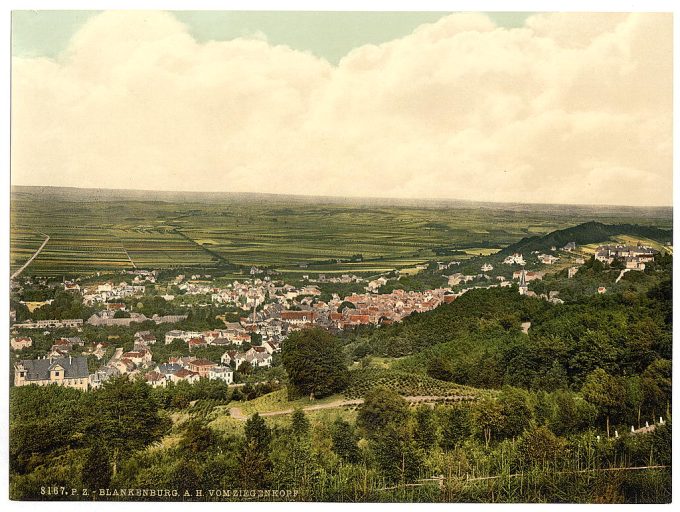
(547, 259)
(223, 373)
(514, 259)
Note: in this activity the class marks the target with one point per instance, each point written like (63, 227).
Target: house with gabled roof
(139, 357)
(124, 365)
(181, 360)
(272, 346)
(71, 286)
(61, 348)
(233, 356)
(147, 338)
(97, 349)
(258, 357)
(98, 378)
(68, 371)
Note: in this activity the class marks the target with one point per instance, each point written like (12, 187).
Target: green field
(24, 244)
(114, 230)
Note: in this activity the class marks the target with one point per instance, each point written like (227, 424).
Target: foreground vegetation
(495, 450)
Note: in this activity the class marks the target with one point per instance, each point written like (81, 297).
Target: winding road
(35, 255)
(237, 412)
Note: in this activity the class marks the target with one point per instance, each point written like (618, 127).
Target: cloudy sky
(557, 108)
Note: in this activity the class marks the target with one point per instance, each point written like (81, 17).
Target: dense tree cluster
(393, 450)
(477, 339)
(101, 428)
(64, 305)
(315, 363)
(475, 312)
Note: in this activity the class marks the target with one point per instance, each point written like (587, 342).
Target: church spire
(523, 288)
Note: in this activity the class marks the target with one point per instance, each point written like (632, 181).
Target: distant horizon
(345, 198)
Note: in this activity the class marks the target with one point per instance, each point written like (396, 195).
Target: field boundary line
(203, 248)
(30, 260)
(122, 246)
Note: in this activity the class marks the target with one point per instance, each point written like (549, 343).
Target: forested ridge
(587, 233)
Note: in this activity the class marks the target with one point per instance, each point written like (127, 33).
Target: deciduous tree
(381, 406)
(315, 363)
(345, 441)
(605, 392)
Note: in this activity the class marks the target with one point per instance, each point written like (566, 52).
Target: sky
(541, 108)
(330, 35)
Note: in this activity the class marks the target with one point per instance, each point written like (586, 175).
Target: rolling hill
(587, 233)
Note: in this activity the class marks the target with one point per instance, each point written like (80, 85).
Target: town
(258, 313)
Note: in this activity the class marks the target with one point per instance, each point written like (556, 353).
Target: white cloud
(570, 108)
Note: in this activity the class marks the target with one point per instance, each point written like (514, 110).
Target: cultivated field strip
(23, 244)
(114, 233)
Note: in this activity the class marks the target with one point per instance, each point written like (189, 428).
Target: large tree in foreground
(605, 392)
(315, 363)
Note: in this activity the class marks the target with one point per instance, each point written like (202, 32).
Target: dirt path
(30, 260)
(330, 405)
(237, 412)
(623, 272)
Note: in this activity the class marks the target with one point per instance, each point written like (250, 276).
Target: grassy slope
(275, 401)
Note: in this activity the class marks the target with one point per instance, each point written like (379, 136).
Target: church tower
(523, 288)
